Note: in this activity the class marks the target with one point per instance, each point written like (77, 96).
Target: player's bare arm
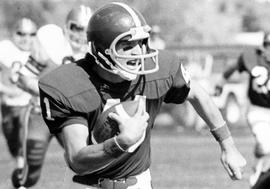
(231, 158)
(84, 158)
(30, 84)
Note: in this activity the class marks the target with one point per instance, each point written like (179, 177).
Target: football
(106, 127)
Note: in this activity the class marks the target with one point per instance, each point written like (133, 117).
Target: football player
(73, 46)
(34, 137)
(122, 67)
(42, 60)
(14, 53)
(75, 32)
(255, 62)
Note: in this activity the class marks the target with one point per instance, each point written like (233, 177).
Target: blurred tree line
(181, 22)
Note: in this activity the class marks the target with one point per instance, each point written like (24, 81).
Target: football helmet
(75, 26)
(23, 33)
(117, 23)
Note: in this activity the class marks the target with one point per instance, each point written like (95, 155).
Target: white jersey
(53, 40)
(11, 55)
(57, 46)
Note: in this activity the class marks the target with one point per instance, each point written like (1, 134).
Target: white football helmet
(75, 26)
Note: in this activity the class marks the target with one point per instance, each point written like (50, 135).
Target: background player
(120, 67)
(34, 137)
(75, 32)
(256, 63)
(14, 53)
(50, 50)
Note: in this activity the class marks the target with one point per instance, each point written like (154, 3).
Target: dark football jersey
(73, 93)
(258, 93)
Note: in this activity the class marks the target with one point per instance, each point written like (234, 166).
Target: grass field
(180, 160)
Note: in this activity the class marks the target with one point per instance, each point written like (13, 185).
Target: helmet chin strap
(118, 71)
(127, 76)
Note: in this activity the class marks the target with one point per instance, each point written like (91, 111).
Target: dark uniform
(256, 63)
(81, 96)
(247, 62)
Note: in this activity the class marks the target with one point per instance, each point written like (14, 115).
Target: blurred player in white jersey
(14, 53)
(48, 52)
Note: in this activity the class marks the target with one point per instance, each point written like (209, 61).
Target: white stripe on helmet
(133, 14)
(86, 10)
(86, 13)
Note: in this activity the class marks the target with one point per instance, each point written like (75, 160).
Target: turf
(185, 160)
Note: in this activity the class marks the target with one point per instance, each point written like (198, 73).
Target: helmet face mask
(125, 47)
(138, 35)
(76, 35)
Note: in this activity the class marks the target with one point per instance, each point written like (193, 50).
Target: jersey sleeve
(57, 114)
(180, 87)
(248, 59)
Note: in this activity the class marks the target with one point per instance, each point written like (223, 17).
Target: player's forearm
(89, 159)
(209, 112)
(29, 84)
(95, 157)
(205, 107)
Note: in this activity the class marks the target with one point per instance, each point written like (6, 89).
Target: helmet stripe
(86, 11)
(133, 14)
(26, 21)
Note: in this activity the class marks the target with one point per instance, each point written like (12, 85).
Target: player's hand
(232, 160)
(132, 129)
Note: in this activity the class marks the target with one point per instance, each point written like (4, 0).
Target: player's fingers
(141, 106)
(227, 167)
(237, 173)
(237, 170)
(115, 117)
